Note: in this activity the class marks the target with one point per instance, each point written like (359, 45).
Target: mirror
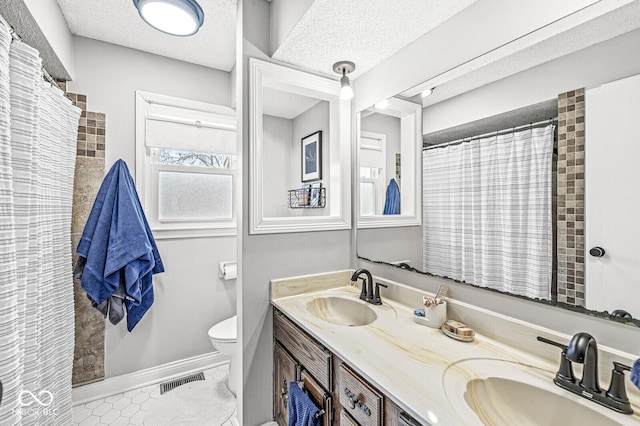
(404, 246)
(299, 138)
(389, 139)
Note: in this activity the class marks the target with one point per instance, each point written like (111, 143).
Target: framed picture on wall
(311, 157)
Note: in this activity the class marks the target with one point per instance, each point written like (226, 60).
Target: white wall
(277, 164)
(189, 297)
(601, 63)
(598, 64)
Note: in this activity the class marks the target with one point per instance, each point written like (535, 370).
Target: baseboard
(149, 376)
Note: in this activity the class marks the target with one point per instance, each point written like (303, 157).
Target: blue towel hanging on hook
(119, 248)
(392, 202)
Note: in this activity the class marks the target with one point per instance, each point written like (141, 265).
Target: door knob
(597, 252)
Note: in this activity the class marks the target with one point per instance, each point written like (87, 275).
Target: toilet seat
(225, 331)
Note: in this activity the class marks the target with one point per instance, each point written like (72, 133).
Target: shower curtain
(487, 212)
(38, 128)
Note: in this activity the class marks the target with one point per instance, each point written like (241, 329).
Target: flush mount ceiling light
(344, 68)
(384, 104)
(427, 92)
(175, 17)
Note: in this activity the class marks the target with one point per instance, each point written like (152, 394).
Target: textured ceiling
(118, 22)
(358, 31)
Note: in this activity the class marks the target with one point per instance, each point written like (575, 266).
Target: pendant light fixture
(175, 17)
(344, 68)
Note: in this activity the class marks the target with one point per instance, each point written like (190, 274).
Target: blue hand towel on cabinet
(119, 247)
(302, 410)
(635, 373)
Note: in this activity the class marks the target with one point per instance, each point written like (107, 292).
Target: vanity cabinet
(345, 397)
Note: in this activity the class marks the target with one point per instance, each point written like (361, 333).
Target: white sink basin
(498, 392)
(341, 311)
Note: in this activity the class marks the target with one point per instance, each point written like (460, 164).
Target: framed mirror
(580, 86)
(299, 145)
(389, 136)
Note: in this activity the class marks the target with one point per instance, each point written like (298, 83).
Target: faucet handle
(617, 390)
(363, 292)
(565, 371)
(376, 297)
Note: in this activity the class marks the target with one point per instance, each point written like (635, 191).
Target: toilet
(224, 338)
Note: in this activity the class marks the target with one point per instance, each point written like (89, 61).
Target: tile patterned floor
(129, 408)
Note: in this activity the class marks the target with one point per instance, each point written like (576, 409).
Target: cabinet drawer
(309, 353)
(346, 420)
(359, 399)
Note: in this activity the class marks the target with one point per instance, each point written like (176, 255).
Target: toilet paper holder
(228, 270)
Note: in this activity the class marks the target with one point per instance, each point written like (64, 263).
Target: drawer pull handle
(355, 402)
(284, 393)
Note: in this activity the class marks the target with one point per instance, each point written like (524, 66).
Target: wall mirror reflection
(300, 159)
(389, 135)
(524, 176)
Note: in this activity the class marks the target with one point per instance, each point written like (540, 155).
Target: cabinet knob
(597, 252)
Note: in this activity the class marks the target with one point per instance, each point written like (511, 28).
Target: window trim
(146, 175)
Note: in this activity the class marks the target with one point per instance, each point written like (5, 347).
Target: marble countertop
(418, 367)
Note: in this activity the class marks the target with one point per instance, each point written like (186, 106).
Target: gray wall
(277, 164)
(389, 126)
(265, 257)
(189, 297)
(314, 119)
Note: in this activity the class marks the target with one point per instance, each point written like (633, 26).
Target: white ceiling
(285, 104)
(118, 22)
(359, 31)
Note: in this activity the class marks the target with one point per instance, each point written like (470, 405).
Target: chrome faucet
(367, 294)
(582, 348)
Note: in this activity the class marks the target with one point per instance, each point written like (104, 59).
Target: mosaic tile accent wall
(570, 237)
(88, 361)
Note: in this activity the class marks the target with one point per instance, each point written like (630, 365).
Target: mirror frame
(268, 74)
(414, 146)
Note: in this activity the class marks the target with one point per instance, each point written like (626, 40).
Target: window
(373, 148)
(186, 166)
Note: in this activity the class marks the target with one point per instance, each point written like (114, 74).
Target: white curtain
(38, 128)
(487, 212)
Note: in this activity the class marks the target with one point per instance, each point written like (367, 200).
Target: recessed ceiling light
(382, 104)
(175, 17)
(427, 92)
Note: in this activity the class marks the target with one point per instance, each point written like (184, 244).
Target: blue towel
(302, 410)
(392, 202)
(117, 242)
(635, 373)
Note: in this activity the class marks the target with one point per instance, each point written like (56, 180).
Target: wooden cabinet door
(284, 372)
